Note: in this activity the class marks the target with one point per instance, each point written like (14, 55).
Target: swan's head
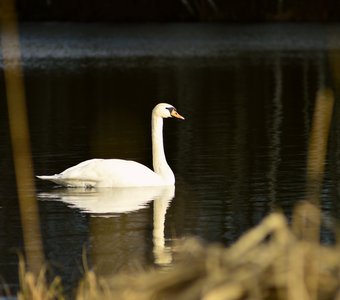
(165, 110)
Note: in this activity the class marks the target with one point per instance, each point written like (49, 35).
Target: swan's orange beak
(175, 114)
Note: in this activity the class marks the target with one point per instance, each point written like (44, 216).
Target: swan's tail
(47, 177)
(54, 178)
(68, 182)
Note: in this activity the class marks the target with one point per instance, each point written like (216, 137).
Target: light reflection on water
(240, 153)
(105, 205)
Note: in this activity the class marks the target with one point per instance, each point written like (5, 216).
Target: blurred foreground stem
(19, 132)
(307, 215)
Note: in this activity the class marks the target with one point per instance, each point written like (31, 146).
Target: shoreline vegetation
(179, 10)
(271, 261)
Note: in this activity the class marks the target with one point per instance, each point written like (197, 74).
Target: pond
(247, 94)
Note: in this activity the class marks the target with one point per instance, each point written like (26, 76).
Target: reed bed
(268, 262)
(271, 261)
(274, 260)
(34, 286)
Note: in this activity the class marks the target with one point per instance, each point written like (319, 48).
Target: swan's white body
(108, 173)
(124, 173)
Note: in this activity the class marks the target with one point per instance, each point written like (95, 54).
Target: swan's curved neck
(160, 164)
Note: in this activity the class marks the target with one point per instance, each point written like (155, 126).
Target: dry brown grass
(271, 261)
(34, 287)
(268, 262)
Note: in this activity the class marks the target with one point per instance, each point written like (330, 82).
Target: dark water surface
(240, 153)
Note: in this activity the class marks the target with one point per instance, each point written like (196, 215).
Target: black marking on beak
(171, 109)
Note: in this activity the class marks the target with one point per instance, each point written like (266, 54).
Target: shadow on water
(241, 153)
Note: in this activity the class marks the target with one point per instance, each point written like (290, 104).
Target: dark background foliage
(178, 10)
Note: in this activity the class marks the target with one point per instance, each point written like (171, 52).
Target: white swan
(124, 173)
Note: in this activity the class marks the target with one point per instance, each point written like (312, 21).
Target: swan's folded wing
(107, 173)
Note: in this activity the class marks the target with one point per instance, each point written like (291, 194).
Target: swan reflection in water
(111, 202)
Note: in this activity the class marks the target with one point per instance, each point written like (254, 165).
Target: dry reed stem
(20, 137)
